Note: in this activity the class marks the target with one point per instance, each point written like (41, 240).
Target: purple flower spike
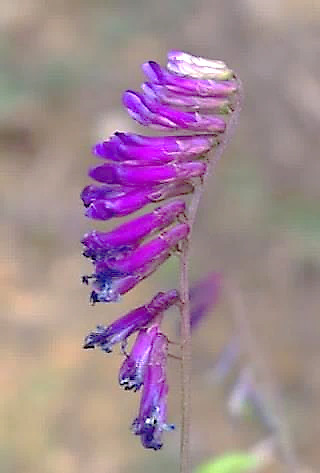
(136, 176)
(152, 419)
(150, 251)
(140, 150)
(186, 85)
(98, 244)
(190, 102)
(131, 374)
(135, 200)
(121, 329)
(200, 100)
(153, 114)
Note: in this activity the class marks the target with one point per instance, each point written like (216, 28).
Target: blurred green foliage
(236, 462)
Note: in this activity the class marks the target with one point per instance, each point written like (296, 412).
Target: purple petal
(125, 284)
(151, 421)
(118, 331)
(132, 232)
(186, 65)
(127, 175)
(150, 251)
(122, 328)
(191, 102)
(151, 113)
(135, 200)
(131, 374)
(189, 86)
(109, 285)
(164, 300)
(151, 151)
(93, 192)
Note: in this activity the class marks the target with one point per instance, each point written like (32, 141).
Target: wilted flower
(121, 329)
(152, 419)
(131, 374)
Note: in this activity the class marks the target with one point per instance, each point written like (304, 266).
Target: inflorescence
(193, 96)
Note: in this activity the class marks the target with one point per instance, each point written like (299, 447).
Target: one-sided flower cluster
(194, 97)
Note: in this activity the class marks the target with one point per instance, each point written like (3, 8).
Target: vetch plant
(200, 100)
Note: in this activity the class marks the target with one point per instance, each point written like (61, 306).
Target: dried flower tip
(184, 64)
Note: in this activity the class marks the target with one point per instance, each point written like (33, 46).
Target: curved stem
(186, 350)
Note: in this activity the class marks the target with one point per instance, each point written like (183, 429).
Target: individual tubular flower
(150, 251)
(152, 113)
(107, 208)
(213, 87)
(133, 262)
(136, 176)
(121, 329)
(150, 150)
(152, 419)
(186, 65)
(131, 374)
(106, 292)
(130, 234)
(188, 102)
(103, 192)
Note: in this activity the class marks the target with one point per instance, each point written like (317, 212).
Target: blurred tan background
(64, 65)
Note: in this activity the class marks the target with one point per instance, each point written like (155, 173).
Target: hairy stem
(185, 465)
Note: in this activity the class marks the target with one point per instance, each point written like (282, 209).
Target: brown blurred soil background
(64, 65)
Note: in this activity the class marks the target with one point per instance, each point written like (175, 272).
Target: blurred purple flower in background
(194, 96)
